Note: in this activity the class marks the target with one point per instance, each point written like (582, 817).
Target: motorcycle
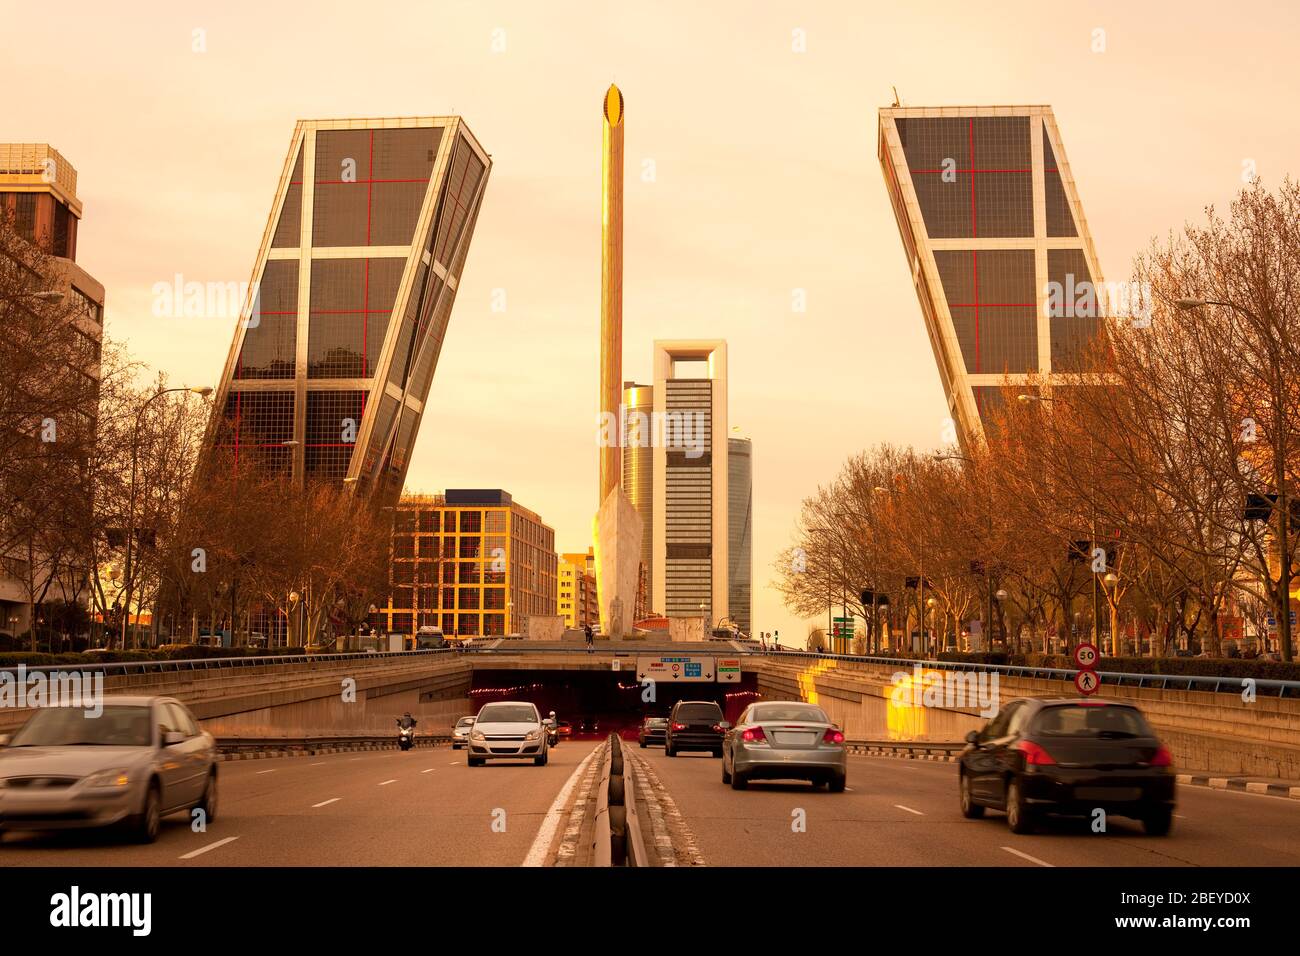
(552, 729)
(405, 737)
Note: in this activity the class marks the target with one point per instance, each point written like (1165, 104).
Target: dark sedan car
(1068, 756)
(653, 731)
(695, 725)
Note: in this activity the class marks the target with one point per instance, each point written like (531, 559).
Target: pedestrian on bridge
(591, 638)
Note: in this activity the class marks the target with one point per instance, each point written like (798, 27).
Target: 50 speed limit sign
(1085, 656)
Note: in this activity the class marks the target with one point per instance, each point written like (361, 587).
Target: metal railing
(110, 668)
(315, 743)
(1197, 682)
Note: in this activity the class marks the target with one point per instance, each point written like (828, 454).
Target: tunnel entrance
(598, 703)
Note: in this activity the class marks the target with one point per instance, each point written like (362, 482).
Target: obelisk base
(617, 535)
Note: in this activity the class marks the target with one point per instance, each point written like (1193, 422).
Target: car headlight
(108, 778)
(531, 735)
(477, 735)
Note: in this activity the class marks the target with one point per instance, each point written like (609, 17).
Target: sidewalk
(1264, 785)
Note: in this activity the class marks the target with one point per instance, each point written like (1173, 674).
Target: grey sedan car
(784, 740)
(140, 759)
(460, 733)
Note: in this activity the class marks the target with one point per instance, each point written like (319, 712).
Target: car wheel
(726, 777)
(1018, 816)
(739, 781)
(837, 783)
(474, 761)
(643, 745)
(149, 820)
(717, 753)
(208, 802)
(969, 808)
(1158, 822)
(541, 761)
(668, 749)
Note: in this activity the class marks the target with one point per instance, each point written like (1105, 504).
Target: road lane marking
(320, 764)
(550, 823)
(211, 846)
(387, 782)
(453, 763)
(1025, 856)
(430, 770)
(909, 810)
(325, 803)
(1180, 816)
(260, 772)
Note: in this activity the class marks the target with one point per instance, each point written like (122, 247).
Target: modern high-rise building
(639, 464)
(740, 531)
(38, 195)
(997, 245)
(690, 502)
(470, 561)
(351, 295)
(576, 580)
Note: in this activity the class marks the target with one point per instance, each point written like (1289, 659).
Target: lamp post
(1282, 510)
(1002, 596)
(201, 390)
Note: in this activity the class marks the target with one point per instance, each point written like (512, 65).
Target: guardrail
(109, 668)
(1226, 685)
(931, 749)
(617, 840)
(311, 744)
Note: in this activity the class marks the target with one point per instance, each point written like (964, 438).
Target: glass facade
(360, 297)
(986, 206)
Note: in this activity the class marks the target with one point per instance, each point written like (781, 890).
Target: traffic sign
(1087, 682)
(675, 668)
(1085, 656)
(728, 669)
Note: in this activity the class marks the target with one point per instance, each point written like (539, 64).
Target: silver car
(142, 758)
(460, 733)
(510, 729)
(784, 740)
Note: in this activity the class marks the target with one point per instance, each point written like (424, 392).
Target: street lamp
(1001, 595)
(201, 390)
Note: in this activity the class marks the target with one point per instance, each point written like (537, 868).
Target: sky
(752, 183)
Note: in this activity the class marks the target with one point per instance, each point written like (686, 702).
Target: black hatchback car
(1068, 756)
(695, 725)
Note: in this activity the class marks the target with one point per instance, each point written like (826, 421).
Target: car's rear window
(1084, 720)
(699, 712)
(789, 712)
(656, 721)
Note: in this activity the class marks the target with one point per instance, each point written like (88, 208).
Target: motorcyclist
(406, 720)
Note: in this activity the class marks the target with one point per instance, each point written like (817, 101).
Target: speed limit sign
(1085, 656)
(1087, 682)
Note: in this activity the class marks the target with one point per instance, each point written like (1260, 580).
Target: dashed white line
(260, 772)
(325, 803)
(211, 846)
(387, 782)
(320, 764)
(550, 823)
(909, 810)
(453, 763)
(430, 770)
(1025, 856)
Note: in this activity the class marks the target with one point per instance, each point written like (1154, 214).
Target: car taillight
(717, 728)
(1163, 758)
(677, 726)
(833, 736)
(752, 734)
(1035, 756)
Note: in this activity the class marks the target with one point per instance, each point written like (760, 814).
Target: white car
(460, 733)
(509, 729)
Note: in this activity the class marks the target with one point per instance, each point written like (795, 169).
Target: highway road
(899, 812)
(424, 807)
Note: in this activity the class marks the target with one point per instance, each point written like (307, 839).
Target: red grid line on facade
(959, 170)
(358, 182)
(973, 230)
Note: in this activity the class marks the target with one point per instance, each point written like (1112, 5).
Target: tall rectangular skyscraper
(990, 218)
(351, 295)
(691, 507)
(740, 531)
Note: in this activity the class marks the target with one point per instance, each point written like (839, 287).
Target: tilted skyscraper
(351, 295)
(990, 220)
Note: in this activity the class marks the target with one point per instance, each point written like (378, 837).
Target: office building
(639, 473)
(472, 562)
(690, 500)
(577, 602)
(997, 245)
(740, 530)
(38, 196)
(351, 294)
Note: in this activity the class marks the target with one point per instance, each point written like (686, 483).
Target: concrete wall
(686, 629)
(1220, 733)
(545, 627)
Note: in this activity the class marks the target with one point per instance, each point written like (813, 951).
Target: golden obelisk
(617, 528)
